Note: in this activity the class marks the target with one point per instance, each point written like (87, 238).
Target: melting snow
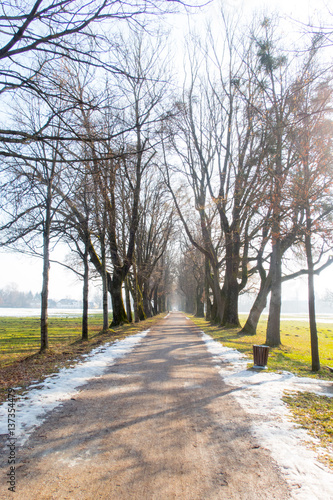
(260, 394)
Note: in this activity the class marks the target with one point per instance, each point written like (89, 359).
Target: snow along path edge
(260, 394)
(41, 398)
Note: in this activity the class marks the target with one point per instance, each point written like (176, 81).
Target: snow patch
(41, 398)
(260, 394)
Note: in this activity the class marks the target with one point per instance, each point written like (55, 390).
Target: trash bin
(260, 356)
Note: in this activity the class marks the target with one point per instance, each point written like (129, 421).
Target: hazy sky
(27, 272)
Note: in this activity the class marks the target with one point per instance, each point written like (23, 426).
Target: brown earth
(159, 424)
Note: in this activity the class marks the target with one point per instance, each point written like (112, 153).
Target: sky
(26, 272)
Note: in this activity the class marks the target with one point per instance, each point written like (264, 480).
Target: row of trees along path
(226, 176)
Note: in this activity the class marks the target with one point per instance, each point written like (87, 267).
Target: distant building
(69, 304)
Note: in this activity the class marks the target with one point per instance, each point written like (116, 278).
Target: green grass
(315, 414)
(20, 337)
(294, 353)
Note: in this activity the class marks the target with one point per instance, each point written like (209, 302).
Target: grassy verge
(315, 414)
(20, 360)
(294, 353)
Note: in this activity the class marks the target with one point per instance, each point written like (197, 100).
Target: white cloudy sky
(27, 272)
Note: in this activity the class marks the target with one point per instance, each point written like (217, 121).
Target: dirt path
(159, 424)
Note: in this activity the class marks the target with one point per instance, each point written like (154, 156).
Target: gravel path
(159, 424)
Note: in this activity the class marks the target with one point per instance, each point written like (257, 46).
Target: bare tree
(220, 145)
(312, 179)
(118, 145)
(277, 77)
(38, 180)
(191, 279)
(153, 236)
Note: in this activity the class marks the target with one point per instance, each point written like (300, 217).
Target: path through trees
(160, 423)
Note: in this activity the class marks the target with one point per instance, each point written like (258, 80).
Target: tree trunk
(250, 327)
(311, 301)
(146, 302)
(85, 294)
(218, 309)
(273, 337)
(44, 338)
(155, 309)
(128, 301)
(213, 313)
(141, 311)
(231, 287)
(207, 290)
(135, 295)
(199, 310)
(105, 302)
(230, 313)
(162, 303)
(119, 316)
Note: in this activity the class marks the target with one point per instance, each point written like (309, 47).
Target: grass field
(20, 337)
(293, 355)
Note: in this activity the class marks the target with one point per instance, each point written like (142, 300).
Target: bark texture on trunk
(135, 295)
(141, 311)
(250, 327)
(199, 311)
(119, 316)
(44, 338)
(105, 291)
(230, 313)
(156, 304)
(218, 306)
(207, 290)
(162, 302)
(85, 295)
(231, 287)
(146, 302)
(128, 300)
(315, 361)
(273, 337)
